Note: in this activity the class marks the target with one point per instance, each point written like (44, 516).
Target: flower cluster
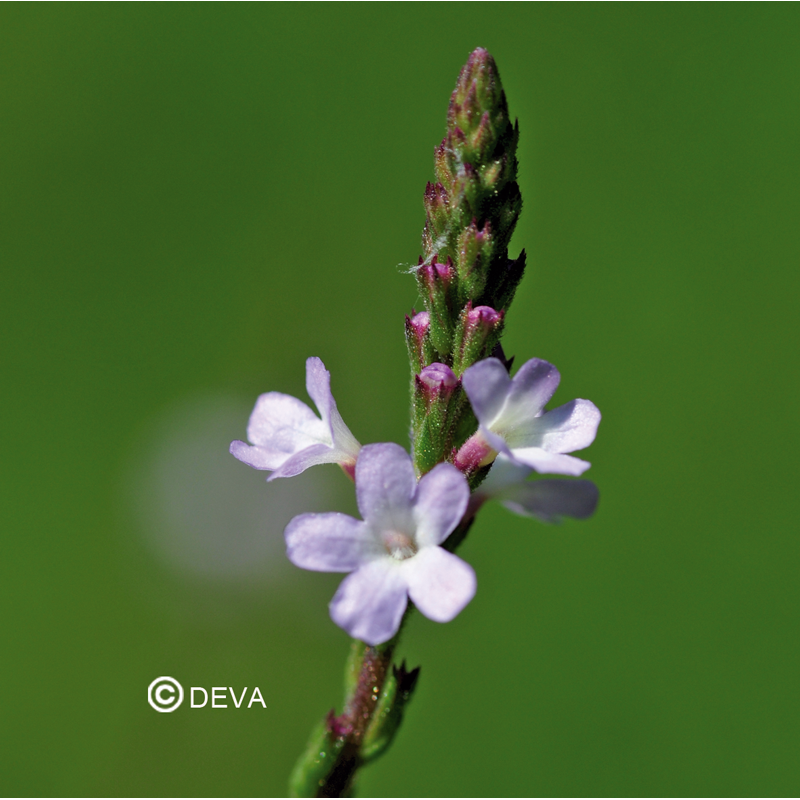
(477, 433)
(395, 552)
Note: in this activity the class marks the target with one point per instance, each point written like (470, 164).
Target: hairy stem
(352, 724)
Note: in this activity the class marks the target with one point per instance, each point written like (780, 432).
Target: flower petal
(318, 386)
(505, 472)
(305, 458)
(440, 502)
(534, 384)
(257, 457)
(330, 542)
(439, 583)
(555, 463)
(281, 423)
(487, 385)
(572, 426)
(549, 499)
(370, 602)
(385, 485)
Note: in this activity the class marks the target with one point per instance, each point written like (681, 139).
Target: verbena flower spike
(477, 434)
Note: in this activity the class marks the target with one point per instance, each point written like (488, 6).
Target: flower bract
(393, 553)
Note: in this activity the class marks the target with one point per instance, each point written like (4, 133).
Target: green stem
(376, 692)
(372, 670)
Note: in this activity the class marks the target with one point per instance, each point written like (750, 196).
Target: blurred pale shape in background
(202, 512)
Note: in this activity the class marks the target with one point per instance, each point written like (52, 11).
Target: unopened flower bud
(436, 273)
(436, 233)
(475, 249)
(483, 318)
(437, 394)
(478, 331)
(420, 350)
(420, 323)
(437, 379)
(438, 286)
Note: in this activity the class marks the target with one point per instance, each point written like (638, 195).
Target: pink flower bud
(438, 376)
(483, 318)
(420, 323)
(436, 273)
(479, 328)
(436, 382)
(419, 349)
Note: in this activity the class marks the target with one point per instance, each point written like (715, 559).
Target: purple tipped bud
(437, 397)
(437, 218)
(434, 273)
(420, 350)
(441, 165)
(437, 283)
(436, 384)
(478, 331)
(420, 323)
(475, 250)
(435, 196)
(438, 377)
(483, 318)
(478, 90)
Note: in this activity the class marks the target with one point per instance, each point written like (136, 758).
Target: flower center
(399, 545)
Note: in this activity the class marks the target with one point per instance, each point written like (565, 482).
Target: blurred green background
(195, 198)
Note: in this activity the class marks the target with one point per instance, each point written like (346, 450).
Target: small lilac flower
(288, 437)
(546, 499)
(513, 421)
(394, 553)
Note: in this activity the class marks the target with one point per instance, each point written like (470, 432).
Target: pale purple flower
(546, 499)
(288, 437)
(394, 553)
(513, 422)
